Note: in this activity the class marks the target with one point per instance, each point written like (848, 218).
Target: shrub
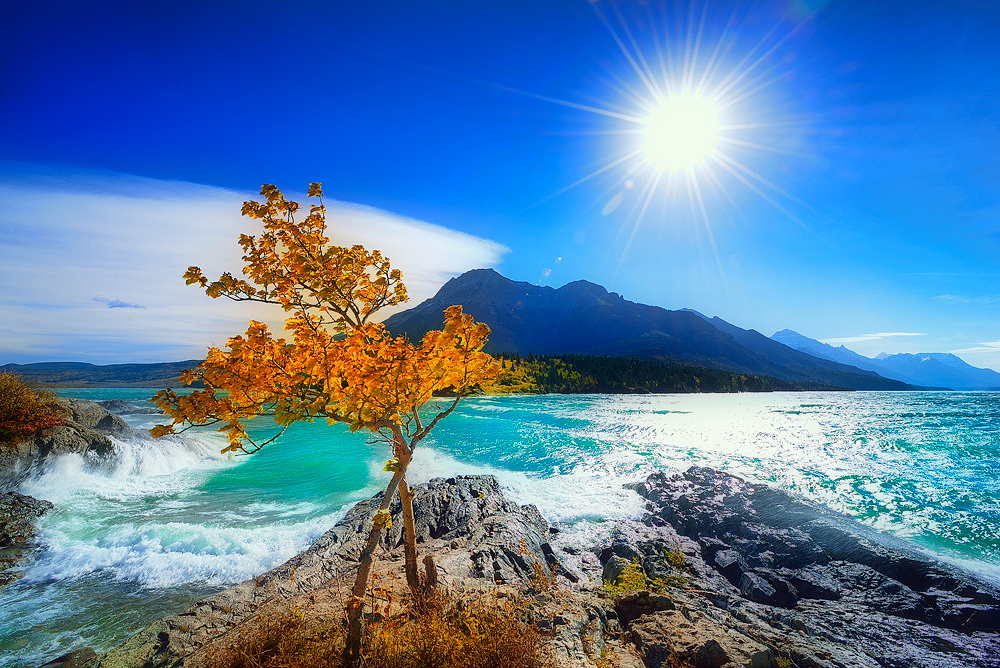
(632, 578)
(25, 412)
(484, 633)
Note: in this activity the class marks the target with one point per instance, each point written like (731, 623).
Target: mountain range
(942, 370)
(84, 374)
(584, 318)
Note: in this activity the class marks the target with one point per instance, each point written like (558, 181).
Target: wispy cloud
(992, 347)
(877, 336)
(65, 237)
(117, 303)
(959, 299)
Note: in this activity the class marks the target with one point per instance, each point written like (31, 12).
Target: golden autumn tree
(336, 364)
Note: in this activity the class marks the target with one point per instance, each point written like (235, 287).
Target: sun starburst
(691, 111)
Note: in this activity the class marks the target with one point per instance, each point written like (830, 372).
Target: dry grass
(484, 632)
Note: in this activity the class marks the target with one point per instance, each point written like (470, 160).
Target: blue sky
(854, 197)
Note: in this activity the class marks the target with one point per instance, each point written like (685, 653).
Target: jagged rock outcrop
(18, 514)
(86, 431)
(477, 537)
(779, 577)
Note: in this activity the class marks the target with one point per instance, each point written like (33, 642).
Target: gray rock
(614, 569)
(750, 578)
(18, 514)
(473, 531)
(809, 584)
(75, 659)
(86, 432)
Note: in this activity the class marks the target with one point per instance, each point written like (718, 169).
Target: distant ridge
(83, 374)
(584, 318)
(933, 370)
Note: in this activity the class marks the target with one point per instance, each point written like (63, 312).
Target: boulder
(18, 514)
(87, 430)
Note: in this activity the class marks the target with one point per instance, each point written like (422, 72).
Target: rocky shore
(738, 574)
(733, 574)
(87, 431)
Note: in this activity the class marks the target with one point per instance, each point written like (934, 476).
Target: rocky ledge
(782, 576)
(86, 431)
(736, 574)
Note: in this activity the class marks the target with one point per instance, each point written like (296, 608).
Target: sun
(681, 132)
(694, 112)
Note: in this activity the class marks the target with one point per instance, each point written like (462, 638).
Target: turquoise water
(167, 522)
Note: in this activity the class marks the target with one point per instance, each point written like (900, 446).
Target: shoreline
(596, 570)
(832, 593)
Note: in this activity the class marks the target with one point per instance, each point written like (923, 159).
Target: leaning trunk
(355, 606)
(410, 541)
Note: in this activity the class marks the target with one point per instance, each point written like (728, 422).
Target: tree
(338, 365)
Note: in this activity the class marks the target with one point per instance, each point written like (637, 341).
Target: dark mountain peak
(582, 317)
(697, 313)
(585, 291)
(582, 286)
(479, 275)
(480, 285)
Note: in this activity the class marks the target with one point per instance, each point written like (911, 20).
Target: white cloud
(992, 347)
(65, 238)
(986, 354)
(877, 336)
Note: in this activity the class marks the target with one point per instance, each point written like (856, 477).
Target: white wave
(989, 572)
(137, 467)
(583, 493)
(174, 553)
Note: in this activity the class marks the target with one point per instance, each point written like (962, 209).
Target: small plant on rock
(633, 578)
(676, 558)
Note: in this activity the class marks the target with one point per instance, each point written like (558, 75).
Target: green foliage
(25, 412)
(583, 374)
(634, 578)
(676, 558)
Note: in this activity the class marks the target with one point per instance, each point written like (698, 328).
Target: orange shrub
(25, 412)
(482, 633)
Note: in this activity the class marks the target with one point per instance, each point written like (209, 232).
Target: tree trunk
(410, 541)
(355, 606)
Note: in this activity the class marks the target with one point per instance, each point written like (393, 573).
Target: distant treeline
(582, 374)
(522, 374)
